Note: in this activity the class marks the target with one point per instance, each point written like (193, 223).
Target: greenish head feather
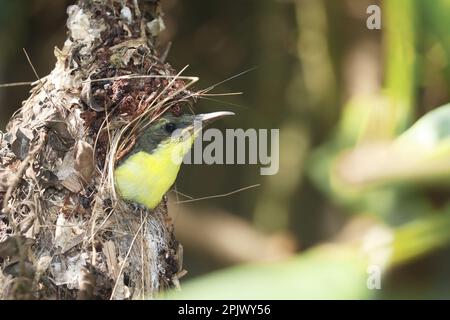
(169, 127)
(162, 131)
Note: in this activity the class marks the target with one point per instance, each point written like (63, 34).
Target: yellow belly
(144, 178)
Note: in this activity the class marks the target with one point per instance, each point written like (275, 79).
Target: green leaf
(326, 272)
(420, 155)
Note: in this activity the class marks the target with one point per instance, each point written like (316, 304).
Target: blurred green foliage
(328, 272)
(369, 168)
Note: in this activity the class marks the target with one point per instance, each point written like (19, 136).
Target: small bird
(152, 166)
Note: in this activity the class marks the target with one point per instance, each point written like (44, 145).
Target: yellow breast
(144, 178)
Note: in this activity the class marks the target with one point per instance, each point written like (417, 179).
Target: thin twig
(39, 78)
(15, 84)
(219, 195)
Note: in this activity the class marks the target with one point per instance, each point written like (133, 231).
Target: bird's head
(180, 131)
(152, 165)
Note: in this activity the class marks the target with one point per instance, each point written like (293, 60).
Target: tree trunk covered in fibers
(64, 232)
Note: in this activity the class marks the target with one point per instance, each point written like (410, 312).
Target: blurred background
(362, 194)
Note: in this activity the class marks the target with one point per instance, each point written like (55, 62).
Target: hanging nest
(64, 231)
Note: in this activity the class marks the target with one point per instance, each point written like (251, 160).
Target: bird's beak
(202, 120)
(207, 118)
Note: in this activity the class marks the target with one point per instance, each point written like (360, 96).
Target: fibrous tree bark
(64, 232)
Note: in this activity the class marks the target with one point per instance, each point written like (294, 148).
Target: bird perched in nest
(152, 166)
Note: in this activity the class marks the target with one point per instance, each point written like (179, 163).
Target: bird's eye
(170, 127)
